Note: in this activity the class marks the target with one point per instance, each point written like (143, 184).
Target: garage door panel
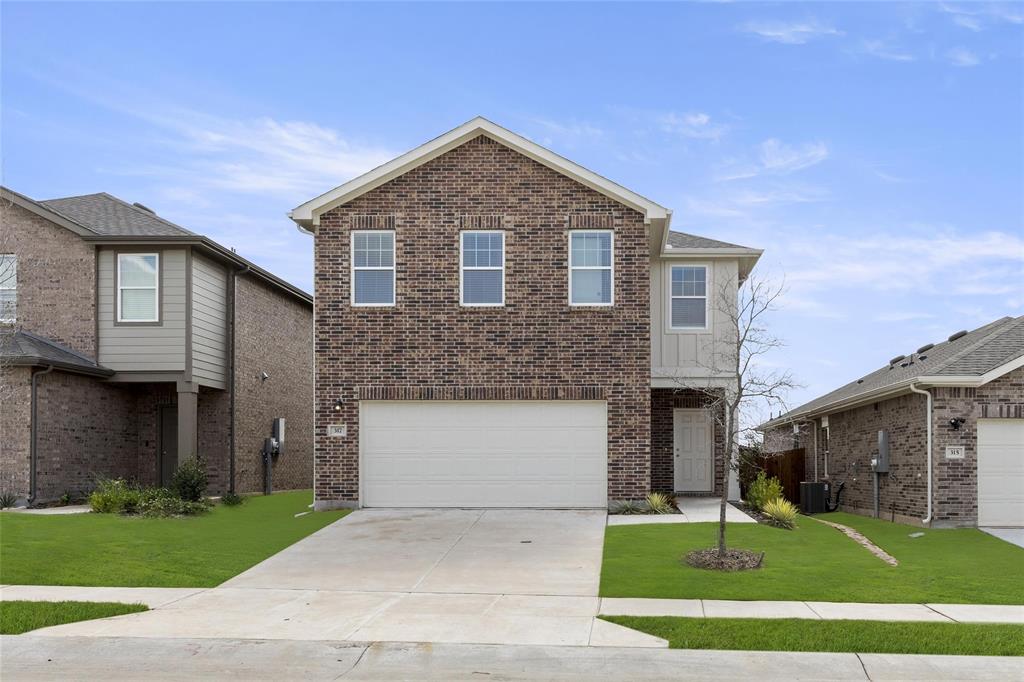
(484, 454)
(1001, 472)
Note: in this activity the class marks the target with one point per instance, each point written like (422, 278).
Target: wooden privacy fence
(788, 467)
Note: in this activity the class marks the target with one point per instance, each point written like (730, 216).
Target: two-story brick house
(128, 343)
(497, 326)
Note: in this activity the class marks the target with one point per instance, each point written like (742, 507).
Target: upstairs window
(138, 287)
(373, 268)
(590, 267)
(8, 287)
(689, 297)
(483, 268)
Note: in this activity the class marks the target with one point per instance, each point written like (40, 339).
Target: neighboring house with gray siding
(963, 397)
(127, 343)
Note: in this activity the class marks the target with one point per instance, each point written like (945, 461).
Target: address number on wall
(337, 430)
(954, 452)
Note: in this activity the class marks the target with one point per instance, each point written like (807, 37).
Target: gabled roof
(307, 215)
(690, 245)
(109, 216)
(681, 240)
(973, 358)
(25, 349)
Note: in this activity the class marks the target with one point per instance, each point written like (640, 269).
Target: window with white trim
(8, 287)
(689, 297)
(483, 268)
(373, 268)
(138, 287)
(591, 270)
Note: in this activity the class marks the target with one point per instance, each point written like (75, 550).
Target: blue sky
(875, 151)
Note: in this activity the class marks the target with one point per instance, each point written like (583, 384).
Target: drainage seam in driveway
(448, 551)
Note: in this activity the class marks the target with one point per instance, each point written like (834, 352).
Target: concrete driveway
(451, 576)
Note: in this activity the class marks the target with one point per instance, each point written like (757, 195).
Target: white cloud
(568, 133)
(777, 157)
(980, 16)
(790, 33)
(968, 22)
(697, 125)
(961, 56)
(882, 50)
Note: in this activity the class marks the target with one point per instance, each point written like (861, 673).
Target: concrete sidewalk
(692, 510)
(27, 657)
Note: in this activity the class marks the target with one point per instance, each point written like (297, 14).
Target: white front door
(467, 453)
(693, 450)
(1001, 472)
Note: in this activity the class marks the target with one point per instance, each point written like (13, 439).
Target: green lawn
(855, 636)
(816, 563)
(110, 550)
(17, 617)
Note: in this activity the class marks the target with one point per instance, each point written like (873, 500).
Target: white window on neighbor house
(689, 297)
(591, 267)
(8, 287)
(373, 268)
(138, 287)
(482, 268)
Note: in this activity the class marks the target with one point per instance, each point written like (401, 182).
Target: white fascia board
(307, 215)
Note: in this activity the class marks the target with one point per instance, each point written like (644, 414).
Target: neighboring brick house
(128, 343)
(969, 389)
(499, 326)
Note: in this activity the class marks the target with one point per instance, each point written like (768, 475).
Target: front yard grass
(816, 563)
(121, 551)
(17, 617)
(853, 636)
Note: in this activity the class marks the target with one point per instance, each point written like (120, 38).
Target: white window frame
(610, 267)
(121, 287)
(393, 268)
(13, 287)
(463, 267)
(706, 297)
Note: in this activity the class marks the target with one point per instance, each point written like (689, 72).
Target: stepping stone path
(862, 541)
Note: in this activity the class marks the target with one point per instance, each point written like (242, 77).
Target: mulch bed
(734, 559)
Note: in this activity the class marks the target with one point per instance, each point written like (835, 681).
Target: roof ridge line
(1000, 327)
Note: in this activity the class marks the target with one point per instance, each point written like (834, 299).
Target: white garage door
(483, 453)
(1001, 472)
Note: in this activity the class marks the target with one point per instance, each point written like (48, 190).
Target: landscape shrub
(628, 507)
(763, 490)
(189, 480)
(659, 503)
(781, 512)
(7, 499)
(163, 506)
(115, 496)
(231, 499)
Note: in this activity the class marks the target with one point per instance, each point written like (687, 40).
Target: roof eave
(38, 361)
(45, 212)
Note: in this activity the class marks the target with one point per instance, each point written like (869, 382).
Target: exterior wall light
(337, 404)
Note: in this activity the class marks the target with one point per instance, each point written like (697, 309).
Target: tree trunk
(726, 465)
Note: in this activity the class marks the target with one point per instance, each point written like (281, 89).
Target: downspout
(814, 427)
(913, 387)
(33, 448)
(231, 377)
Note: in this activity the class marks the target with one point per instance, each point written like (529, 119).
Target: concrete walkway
(694, 510)
(153, 597)
(28, 657)
(1015, 536)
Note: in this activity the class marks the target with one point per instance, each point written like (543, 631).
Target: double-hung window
(373, 268)
(483, 268)
(8, 287)
(591, 270)
(689, 297)
(138, 287)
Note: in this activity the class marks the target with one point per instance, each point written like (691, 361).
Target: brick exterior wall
(214, 416)
(56, 279)
(536, 340)
(274, 334)
(663, 402)
(853, 442)
(15, 430)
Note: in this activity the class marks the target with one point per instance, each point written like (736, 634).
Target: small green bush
(189, 480)
(160, 507)
(231, 499)
(115, 496)
(763, 490)
(659, 503)
(7, 499)
(781, 512)
(627, 507)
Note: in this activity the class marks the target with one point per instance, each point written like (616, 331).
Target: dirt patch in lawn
(732, 560)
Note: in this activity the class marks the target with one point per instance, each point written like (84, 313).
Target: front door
(167, 443)
(693, 452)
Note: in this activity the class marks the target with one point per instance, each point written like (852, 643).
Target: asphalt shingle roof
(682, 240)
(972, 354)
(109, 216)
(25, 348)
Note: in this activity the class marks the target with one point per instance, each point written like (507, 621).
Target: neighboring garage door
(1001, 472)
(483, 453)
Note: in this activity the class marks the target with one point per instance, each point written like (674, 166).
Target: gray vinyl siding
(144, 348)
(209, 322)
(688, 353)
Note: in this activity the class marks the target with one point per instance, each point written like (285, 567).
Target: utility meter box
(882, 462)
(278, 435)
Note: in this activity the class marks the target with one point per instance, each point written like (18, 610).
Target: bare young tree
(736, 379)
(8, 278)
